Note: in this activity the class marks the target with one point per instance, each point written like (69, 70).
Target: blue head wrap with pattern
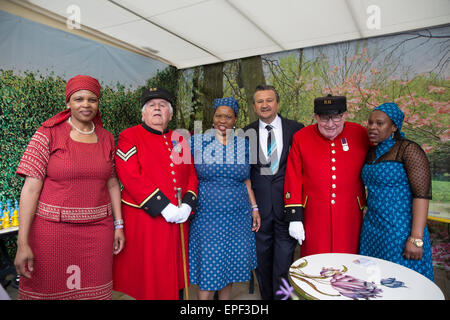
(394, 113)
(229, 102)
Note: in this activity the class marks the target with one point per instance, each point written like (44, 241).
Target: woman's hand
(119, 240)
(29, 198)
(24, 261)
(256, 221)
(364, 212)
(412, 251)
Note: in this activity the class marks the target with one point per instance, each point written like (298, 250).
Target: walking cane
(183, 251)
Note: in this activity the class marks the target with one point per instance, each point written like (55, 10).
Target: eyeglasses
(161, 104)
(333, 117)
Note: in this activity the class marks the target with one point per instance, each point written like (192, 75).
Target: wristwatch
(417, 242)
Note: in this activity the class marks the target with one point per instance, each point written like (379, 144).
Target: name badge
(344, 144)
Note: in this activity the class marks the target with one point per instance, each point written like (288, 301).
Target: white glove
(296, 231)
(185, 212)
(171, 213)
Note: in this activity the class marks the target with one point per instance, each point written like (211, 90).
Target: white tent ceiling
(187, 33)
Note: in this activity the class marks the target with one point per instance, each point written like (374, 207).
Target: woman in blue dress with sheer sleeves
(221, 239)
(398, 179)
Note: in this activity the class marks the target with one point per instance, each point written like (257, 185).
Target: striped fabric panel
(35, 158)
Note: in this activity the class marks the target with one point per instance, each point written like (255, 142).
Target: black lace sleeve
(418, 170)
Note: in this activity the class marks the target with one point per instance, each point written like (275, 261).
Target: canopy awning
(187, 33)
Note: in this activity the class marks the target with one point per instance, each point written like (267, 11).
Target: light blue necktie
(272, 149)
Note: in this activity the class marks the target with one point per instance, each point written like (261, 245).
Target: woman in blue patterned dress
(221, 239)
(398, 179)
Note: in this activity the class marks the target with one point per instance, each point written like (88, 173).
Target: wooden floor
(240, 291)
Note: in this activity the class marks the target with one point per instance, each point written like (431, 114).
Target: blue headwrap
(397, 116)
(229, 102)
(394, 113)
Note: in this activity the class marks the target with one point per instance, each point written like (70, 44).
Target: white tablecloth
(3, 294)
(350, 276)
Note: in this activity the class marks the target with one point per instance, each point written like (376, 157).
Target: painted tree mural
(410, 69)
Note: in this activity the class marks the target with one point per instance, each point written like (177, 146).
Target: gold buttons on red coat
(333, 174)
(172, 172)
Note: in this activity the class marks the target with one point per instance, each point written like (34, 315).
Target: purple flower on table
(286, 291)
(353, 288)
(329, 272)
(392, 283)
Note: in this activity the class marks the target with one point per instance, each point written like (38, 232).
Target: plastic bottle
(6, 223)
(15, 215)
(1, 215)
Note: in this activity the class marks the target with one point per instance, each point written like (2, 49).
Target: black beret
(330, 104)
(153, 93)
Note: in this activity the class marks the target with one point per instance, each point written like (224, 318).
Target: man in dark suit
(274, 246)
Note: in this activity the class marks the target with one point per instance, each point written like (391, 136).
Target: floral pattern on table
(392, 283)
(345, 284)
(342, 283)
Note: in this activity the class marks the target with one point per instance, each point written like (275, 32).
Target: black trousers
(275, 253)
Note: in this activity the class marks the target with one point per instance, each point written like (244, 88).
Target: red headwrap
(80, 82)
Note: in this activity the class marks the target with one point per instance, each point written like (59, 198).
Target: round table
(340, 276)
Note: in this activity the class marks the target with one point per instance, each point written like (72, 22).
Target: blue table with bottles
(9, 226)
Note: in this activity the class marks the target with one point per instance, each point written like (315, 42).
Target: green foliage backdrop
(28, 100)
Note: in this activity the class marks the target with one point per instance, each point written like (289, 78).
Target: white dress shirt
(263, 133)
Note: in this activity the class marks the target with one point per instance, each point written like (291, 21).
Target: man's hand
(296, 231)
(185, 212)
(171, 213)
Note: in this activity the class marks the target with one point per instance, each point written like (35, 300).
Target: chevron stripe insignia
(127, 155)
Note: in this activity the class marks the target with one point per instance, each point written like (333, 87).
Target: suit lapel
(261, 161)
(261, 158)
(286, 130)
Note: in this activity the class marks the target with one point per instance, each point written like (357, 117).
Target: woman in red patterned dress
(71, 194)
